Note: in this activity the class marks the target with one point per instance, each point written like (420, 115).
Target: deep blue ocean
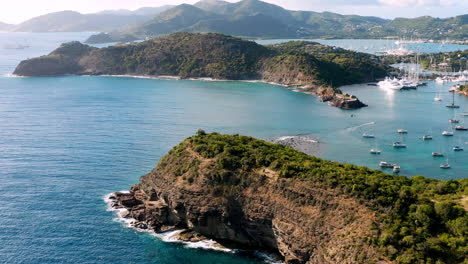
(66, 142)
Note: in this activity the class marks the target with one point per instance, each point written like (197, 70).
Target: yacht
(447, 133)
(442, 80)
(366, 135)
(461, 128)
(385, 164)
(438, 98)
(390, 83)
(437, 154)
(402, 131)
(427, 137)
(454, 121)
(399, 145)
(457, 148)
(396, 169)
(375, 151)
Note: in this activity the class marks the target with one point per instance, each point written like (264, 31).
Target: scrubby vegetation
(220, 56)
(421, 220)
(350, 66)
(253, 18)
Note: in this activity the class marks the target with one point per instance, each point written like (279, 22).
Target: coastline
(124, 217)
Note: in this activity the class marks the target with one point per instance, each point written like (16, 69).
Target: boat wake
(357, 127)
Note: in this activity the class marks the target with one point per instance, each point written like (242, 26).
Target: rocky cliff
(216, 56)
(256, 195)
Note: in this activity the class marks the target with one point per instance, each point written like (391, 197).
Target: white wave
(302, 138)
(170, 236)
(11, 75)
(363, 125)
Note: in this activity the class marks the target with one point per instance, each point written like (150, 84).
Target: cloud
(417, 3)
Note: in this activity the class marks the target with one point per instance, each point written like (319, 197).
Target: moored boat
(399, 145)
(375, 151)
(445, 166)
(385, 164)
(402, 131)
(427, 137)
(437, 154)
(457, 148)
(447, 133)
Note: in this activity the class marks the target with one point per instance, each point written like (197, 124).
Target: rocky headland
(315, 68)
(251, 194)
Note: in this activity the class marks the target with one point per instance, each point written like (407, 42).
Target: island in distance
(314, 68)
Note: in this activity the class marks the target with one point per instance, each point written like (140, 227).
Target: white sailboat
(445, 165)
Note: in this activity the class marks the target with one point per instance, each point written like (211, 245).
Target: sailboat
(368, 135)
(375, 150)
(428, 136)
(449, 132)
(438, 97)
(461, 127)
(453, 105)
(399, 144)
(446, 165)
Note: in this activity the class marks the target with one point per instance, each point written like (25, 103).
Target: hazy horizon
(15, 12)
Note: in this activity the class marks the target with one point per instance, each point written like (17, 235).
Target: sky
(16, 11)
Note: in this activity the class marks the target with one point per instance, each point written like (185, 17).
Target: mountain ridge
(250, 15)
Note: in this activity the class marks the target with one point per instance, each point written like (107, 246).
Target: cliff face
(211, 55)
(300, 220)
(251, 194)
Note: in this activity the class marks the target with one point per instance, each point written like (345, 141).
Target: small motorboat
(399, 145)
(457, 148)
(365, 135)
(396, 169)
(385, 164)
(447, 133)
(437, 154)
(454, 121)
(427, 137)
(375, 151)
(460, 128)
(437, 99)
(402, 131)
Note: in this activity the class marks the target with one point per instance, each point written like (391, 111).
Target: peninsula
(313, 67)
(252, 194)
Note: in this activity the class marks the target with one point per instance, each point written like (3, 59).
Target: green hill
(317, 68)
(253, 194)
(257, 19)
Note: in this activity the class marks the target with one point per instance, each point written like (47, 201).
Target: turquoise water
(68, 141)
(376, 46)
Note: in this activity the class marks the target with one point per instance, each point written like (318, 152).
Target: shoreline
(124, 217)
